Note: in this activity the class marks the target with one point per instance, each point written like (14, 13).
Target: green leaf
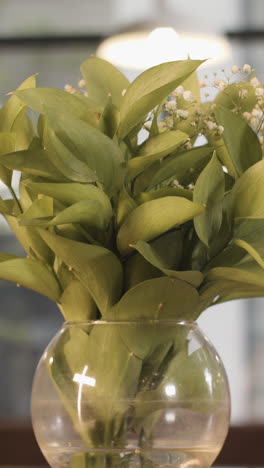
(192, 84)
(209, 191)
(62, 367)
(247, 272)
(185, 369)
(151, 254)
(49, 100)
(249, 234)
(218, 291)
(6, 206)
(153, 218)
(109, 119)
(246, 199)
(97, 268)
(71, 193)
(103, 79)
(65, 161)
(31, 274)
(26, 197)
(223, 154)
(160, 298)
(144, 197)
(79, 310)
(84, 154)
(125, 205)
(242, 142)
(184, 166)
(246, 279)
(227, 257)
(154, 129)
(39, 208)
(87, 211)
(30, 240)
(33, 161)
(250, 250)
(149, 89)
(13, 106)
(137, 270)
(7, 144)
(154, 149)
(252, 231)
(90, 351)
(23, 129)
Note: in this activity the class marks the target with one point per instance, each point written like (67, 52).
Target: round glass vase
(130, 394)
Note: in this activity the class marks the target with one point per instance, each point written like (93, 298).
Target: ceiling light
(142, 50)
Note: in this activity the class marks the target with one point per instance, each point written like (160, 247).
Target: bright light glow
(50, 360)
(142, 50)
(170, 390)
(170, 417)
(84, 379)
(208, 378)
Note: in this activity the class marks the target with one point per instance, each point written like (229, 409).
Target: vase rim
(130, 322)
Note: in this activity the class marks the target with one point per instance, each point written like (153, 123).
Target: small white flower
(259, 92)
(211, 125)
(81, 84)
(221, 84)
(235, 69)
(247, 68)
(176, 183)
(69, 89)
(169, 122)
(182, 114)
(247, 115)
(202, 84)
(220, 129)
(254, 82)
(188, 96)
(242, 93)
(179, 91)
(171, 105)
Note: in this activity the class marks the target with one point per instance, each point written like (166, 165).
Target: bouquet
(139, 201)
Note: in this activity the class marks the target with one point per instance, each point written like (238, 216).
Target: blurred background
(52, 38)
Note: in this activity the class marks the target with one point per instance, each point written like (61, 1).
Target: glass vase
(130, 394)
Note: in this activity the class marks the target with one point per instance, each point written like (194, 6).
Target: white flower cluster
(176, 108)
(72, 90)
(256, 116)
(249, 88)
(181, 106)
